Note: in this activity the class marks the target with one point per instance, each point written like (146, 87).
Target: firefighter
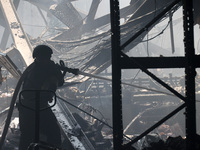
(42, 74)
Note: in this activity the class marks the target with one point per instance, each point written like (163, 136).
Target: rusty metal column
(190, 74)
(116, 76)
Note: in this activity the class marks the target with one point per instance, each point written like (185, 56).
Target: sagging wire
(132, 80)
(135, 76)
(77, 41)
(138, 8)
(82, 41)
(142, 16)
(91, 50)
(172, 11)
(103, 122)
(158, 33)
(101, 46)
(82, 103)
(65, 101)
(133, 4)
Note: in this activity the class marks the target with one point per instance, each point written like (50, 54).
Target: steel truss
(122, 61)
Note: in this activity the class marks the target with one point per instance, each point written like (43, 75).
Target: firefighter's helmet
(42, 51)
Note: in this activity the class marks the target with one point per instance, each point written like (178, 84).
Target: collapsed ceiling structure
(81, 39)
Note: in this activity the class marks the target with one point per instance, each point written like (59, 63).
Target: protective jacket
(39, 76)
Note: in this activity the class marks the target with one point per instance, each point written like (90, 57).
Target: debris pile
(172, 143)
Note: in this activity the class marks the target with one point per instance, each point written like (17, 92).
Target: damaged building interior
(138, 84)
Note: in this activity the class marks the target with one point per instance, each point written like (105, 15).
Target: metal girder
(190, 73)
(104, 20)
(9, 65)
(19, 36)
(93, 10)
(189, 62)
(66, 13)
(149, 24)
(116, 76)
(152, 62)
(70, 127)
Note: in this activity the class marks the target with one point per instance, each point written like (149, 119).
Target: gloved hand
(75, 71)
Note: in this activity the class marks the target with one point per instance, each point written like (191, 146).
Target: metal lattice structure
(93, 43)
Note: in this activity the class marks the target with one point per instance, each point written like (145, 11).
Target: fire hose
(78, 72)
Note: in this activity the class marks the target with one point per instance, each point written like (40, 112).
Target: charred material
(83, 40)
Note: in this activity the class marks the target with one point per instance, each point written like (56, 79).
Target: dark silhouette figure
(42, 74)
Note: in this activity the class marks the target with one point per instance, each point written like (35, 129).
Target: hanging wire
(158, 33)
(106, 124)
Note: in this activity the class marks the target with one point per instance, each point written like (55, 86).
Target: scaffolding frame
(119, 58)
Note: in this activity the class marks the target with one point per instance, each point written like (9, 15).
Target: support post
(189, 74)
(116, 76)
